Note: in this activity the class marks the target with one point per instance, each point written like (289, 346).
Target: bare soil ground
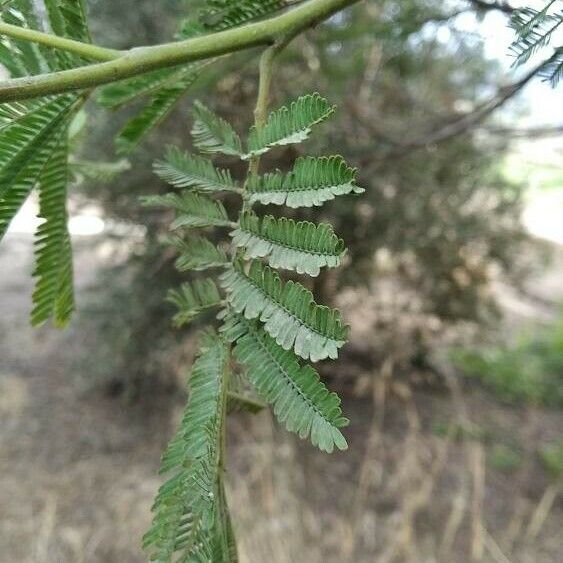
(78, 469)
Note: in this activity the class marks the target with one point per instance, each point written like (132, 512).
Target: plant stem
(263, 97)
(85, 50)
(144, 59)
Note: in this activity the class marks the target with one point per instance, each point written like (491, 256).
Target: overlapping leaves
(189, 512)
(294, 245)
(192, 210)
(34, 151)
(535, 29)
(288, 311)
(192, 299)
(300, 399)
(183, 170)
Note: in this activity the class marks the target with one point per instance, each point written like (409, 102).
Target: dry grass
(77, 471)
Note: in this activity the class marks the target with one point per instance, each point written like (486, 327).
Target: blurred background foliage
(467, 468)
(438, 217)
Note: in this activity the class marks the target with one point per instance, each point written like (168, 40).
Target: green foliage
(193, 210)
(300, 246)
(212, 134)
(167, 87)
(192, 299)
(183, 170)
(34, 152)
(288, 311)
(535, 29)
(156, 109)
(224, 14)
(288, 125)
(267, 321)
(300, 400)
(196, 253)
(531, 371)
(26, 146)
(53, 295)
(189, 520)
(311, 182)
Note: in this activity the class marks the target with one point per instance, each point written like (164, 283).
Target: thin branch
(263, 98)
(85, 50)
(463, 123)
(527, 132)
(144, 59)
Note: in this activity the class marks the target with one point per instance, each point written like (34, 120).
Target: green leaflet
(115, 95)
(288, 125)
(26, 146)
(184, 170)
(212, 134)
(190, 514)
(68, 19)
(300, 399)
(53, 295)
(535, 29)
(224, 14)
(301, 246)
(21, 58)
(288, 311)
(192, 299)
(312, 181)
(196, 253)
(157, 109)
(193, 210)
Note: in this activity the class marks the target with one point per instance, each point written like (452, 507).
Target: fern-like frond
(299, 398)
(288, 125)
(311, 182)
(53, 295)
(212, 134)
(192, 299)
(21, 58)
(189, 508)
(552, 71)
(193, 210)
(116, 95)
(288, 311)
(26, 146)
(184, 170)
(156, 110)
(68, 19)
(294, 245)
(224, 14)
(535, 29)
(196, 253)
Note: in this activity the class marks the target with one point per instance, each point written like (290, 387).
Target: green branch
(144, 59)
(263, 98)
(49, 40)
